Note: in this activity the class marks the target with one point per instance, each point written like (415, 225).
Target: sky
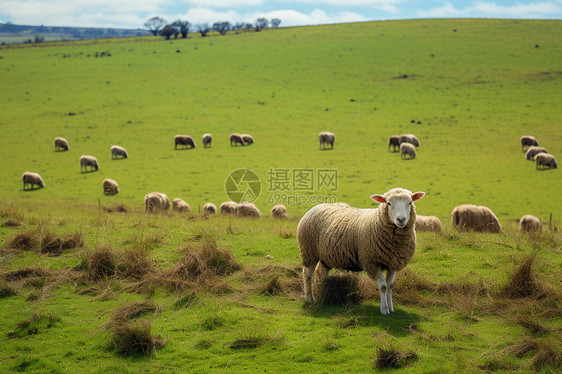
(134, 13)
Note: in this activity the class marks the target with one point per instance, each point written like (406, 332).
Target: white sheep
(118, 151)
(528, 141)
(32, 179)
(478, 218)
(247, 210)
(236, 139)
(61, 144)
(179, 205)
(428, 223)
(228, 207)
(529, 223)
(91, 161)
(154, 201)
(207, 139)
(407, 149)
(326, 138)
(545, 160)
(409, 138)
(533, 151)
(374, 240)
(279, 211)
(209, 208)
(110, 187)
(248, 139)
(185, 140)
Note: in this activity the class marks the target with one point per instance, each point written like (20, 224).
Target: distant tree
(222, 27)
(182, 27)
(203, 29)
(261, 23)
(275, 22)
(39, 39)
(155, 24)
(238, 26)
(168, 31)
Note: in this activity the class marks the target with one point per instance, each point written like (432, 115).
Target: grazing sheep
(545, 160)
(528, 141)
(409, 138)
(179, 205)
(394, 142)
(61, 144)
(185, 140)
(236, 139)
(428, 223)
(110, 187)
(207, 140)
(248, 139)
(209, 208)
(479, 218)
(279, 211)
(228, 207)
(529, 223)
(154, 201)
(32, 179)
(326, 138)
(374, 240)
(407, 149)
(533, 151)
(91, 161)
(247, 210)
(118, 151)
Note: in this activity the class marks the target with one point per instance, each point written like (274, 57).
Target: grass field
(467, 88)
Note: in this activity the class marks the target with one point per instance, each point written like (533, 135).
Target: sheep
(409, 138)
(32, 179)
(478, 218)
(547, 160)
(61, 144)
(228, 207)
(527, 141)
(154, 201)
(236, 139)
(529, 223)
(209, 208)
(394, 141)
(180, 205)
(185, 140)
(407, 149)
(428, 223)
(533, 151)
(118, 151)
(87, 160)
(326, 138)
(207, 139)
(110, 187)
(248, 139)
(279, 211)
(247, 210)
(375, 240)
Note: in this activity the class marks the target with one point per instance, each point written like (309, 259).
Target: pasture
(467, 88)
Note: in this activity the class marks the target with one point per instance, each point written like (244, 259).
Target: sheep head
(398, 204)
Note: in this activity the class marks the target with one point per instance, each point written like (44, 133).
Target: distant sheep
(279, 211)
(236, 139)
(32, 179)
(248, 139)
(207, 139)
(228, 207)
(91, 161)
(409, 138)
(155, 201)
(185, 140)
(118, 151)
(469, 217)
(326, 139)
(545, 160)
(533, 151)
(110, 187)
(209, 208)
(529, 223)
(407, 149)
(179, 205)
(247, 210)
(394, 142)
(428, 223)
(61, 144)
(528, 141)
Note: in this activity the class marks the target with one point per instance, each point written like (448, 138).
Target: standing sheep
(374, 240)
(236, 139)
(209, 208)
(228, 207)
(528, 141)
(279, 211)
(180, 205)
(478, 218)
(207, 139)
(185, 140)
(326, 138)
(394, 142)
(32, 179)
(248, 139)
(409, 138)
(154, 201)
(61, 144)
(529, 223)
(247, 210)
(545, 160)
(533, 151)
(407, 149)
(91, 161)
(118, 151)
(110, 187)
(428, 223)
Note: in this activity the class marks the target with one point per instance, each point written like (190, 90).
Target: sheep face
(399, 206)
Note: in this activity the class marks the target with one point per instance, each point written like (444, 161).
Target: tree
(168, 31)
(182, 27)
(275, 22)
(261, 23)
(155, 24)
(222, 27)
(203, 29)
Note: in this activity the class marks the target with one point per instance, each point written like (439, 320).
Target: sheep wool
(533, 151)
(529, 223)
(409, 138)
(545, 160)
(407, 149)
(228, 207)
(528, 141)
(247, 210)
(207, 139)
(118, 152)
(179, 205)
(91, 161)
(428, 223)
(326, 139)
(248, 139)
(110, 187)
(154, 201)
(185, 140)
(279, 211)
(30, 178)
(209, 208)
(236, 139)
(394, 142)
(478, 218)
(61, 144)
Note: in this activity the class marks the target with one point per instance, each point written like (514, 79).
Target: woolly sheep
(428, 223)
(248, 139)
(479, 218)
(528, 141)
(32, 179)
(529, 223)
(533, 151)
(326, 138)
(279, 211)
(185, 140)
(409, 138)
(228, 207)
(407, 149)
(154, 201)
(374, 240)
(180, 205)
(545, 160)
(209, 208)
(91, 161)
(247, 210)
(236, 139)
(118, 151)
(110, 187)
(207, 139)
(394, 141)
(61, 144)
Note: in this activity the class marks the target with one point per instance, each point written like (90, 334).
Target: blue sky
(133, 13)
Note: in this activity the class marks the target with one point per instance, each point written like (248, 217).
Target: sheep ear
(378, 198)
(417, 196)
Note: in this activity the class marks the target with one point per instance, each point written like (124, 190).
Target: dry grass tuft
(273, 287)
(136, 264)
(124, 313)
(53, 245)
(102, 263)
(34, 325)
(25, 241)
(533, 327)
(11, 222)
(31, 272)
(521, 349)
(392, 358)
(119, 208)
(135, 340)
(522, 282)
(6, 290)
(548, 358)
(339, 289)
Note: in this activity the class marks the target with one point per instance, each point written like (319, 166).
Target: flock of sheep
(406, 143)
(533, 151)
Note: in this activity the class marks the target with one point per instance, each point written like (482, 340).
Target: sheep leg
(307, 273)
(376, 274)
(389, 283)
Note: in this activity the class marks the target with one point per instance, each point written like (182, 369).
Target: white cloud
(384, 5)
(224, 3)
(489, 9)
